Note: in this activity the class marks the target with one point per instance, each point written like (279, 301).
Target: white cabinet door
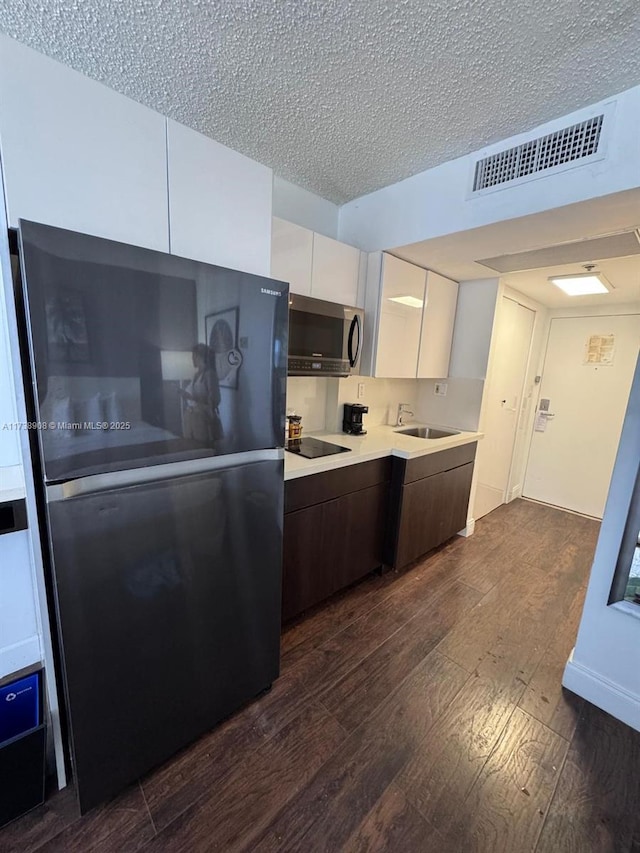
(335, 271)
(437, 326)
(219, 203)
(291, 254)
(79, 155)
(399, 323)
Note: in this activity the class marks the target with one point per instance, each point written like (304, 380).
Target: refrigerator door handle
(154, 473)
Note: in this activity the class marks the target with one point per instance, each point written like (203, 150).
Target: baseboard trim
(468, 530)
(516, 492)
(603, 693)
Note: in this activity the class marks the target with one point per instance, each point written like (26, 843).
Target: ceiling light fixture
(587, 283)
(411, 301)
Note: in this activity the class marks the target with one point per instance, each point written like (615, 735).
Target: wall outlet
(360, 390)
(440, 389)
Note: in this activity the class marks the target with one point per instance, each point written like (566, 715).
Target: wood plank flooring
(419, 711)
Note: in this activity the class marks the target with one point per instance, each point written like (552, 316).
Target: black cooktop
(312, 448)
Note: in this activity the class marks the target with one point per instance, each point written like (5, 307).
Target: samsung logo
(270, 292)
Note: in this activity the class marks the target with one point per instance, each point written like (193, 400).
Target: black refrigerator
(157, 385)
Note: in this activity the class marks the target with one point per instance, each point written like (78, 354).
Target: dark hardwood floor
(422, 710)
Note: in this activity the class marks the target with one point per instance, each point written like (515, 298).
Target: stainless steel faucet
(402, 410)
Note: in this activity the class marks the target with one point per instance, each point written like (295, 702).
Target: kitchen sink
(428, 432)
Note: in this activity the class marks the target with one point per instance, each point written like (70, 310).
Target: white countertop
(378, 442)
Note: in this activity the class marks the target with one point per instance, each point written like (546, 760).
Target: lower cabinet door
(432, 510)
(456, 501)
(307, 575)
(420, 518)
(330, 545)
(363, 520)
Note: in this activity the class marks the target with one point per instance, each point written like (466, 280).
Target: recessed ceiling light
(582, 284)
(412, 301)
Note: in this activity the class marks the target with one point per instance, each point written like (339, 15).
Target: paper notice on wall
(600, 349)
(540, 422)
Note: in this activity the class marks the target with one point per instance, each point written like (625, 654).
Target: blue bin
(22, 746)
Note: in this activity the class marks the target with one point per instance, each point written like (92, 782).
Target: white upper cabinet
(437, 326)
(291, 255)
(219, 203)
(315, 265)
(335, 271)
(78, 155)
(400, 318)
(409, 320)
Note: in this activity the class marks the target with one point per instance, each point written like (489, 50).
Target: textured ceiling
(345, 96)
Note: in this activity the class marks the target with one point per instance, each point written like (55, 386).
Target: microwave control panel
(309, 366)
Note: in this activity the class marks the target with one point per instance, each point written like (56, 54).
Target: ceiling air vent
(555, 149)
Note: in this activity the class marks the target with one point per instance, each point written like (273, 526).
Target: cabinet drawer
(317, 488)
(425, 466)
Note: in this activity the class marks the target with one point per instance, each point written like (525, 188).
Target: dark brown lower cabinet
(430, 496)
(340, 525)
(334, 532)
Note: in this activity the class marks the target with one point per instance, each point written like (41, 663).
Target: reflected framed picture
(221, 330)
(67, 338)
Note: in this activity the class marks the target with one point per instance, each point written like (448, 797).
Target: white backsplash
(320, 401)
(460, 408)
(307, 396)
(380, 395)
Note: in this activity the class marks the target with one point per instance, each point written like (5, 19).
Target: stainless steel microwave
(325, 338)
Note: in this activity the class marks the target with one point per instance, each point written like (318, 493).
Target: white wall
(437, 201)
(473, 328)
(602, 667)
(460, 408)
(77, 154)
(302, 207)
(470, 349)
(219, 203)
(11, 475)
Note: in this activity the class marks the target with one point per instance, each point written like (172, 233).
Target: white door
(510, 357)
(571, 462)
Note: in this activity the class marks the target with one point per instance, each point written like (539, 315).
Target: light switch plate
(360, 390)
(440, 389)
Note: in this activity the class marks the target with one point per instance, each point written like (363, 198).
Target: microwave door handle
(355, 325)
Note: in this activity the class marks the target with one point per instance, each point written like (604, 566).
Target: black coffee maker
(352, 418)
